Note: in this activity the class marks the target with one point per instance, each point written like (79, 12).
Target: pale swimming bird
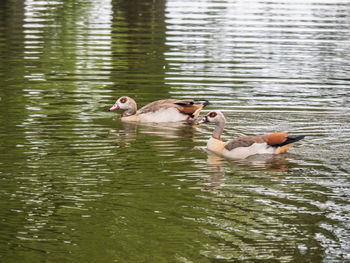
(242, 147)
(169, 110)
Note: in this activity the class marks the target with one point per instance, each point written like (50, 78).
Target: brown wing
(184, 106)
(280, 140)
(157, 105)
(245, 141)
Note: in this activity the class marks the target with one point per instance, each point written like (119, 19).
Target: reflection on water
(159, 135)
(77, 184)
(273, 165)
(166, 130)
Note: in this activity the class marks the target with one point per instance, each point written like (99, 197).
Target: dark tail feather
(192, 102)
(204, 102)
(290, 140)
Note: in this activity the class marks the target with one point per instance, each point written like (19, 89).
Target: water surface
(78, 185)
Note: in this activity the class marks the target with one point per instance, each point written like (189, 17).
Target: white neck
(132, 109)
(219, 128)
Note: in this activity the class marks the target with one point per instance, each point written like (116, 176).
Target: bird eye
(212, 114)
(123, 100)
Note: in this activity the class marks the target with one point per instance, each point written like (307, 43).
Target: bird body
(245, 146)
(169, 110)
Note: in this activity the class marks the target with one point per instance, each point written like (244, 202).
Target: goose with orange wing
(169, 110)
(242, 147)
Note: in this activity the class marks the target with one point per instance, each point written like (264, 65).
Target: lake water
(78, 185)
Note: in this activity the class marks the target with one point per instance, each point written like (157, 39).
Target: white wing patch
(244, 152)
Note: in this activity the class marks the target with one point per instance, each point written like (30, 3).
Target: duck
(168, 110)
(245, 146)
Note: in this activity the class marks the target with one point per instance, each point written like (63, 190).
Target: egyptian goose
(170, 110)
(242, 147)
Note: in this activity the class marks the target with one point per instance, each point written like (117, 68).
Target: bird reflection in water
(254, 165)
(131, 130)
(123, 137)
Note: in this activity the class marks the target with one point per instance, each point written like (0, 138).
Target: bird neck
(131, 110)
(219, 128)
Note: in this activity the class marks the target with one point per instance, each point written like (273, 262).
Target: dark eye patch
(212, 114)
(123, 100)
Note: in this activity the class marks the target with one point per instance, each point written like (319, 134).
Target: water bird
(242, 147)
(169, 110)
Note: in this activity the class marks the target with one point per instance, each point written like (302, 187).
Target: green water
(79, 185)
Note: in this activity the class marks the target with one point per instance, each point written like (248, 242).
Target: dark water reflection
(79, 185)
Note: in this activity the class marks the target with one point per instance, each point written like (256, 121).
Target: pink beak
(114, 107)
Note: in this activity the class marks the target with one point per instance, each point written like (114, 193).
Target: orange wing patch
(190, 109)
(276, 138)
(284, 148)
